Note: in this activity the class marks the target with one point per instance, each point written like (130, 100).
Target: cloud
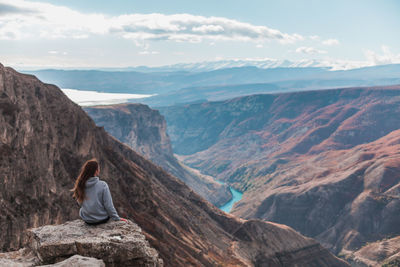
(387, 57)
(314, 37)
(190, 28)
(55, 52)
(53, 22)
(330, 42)
(187, 27)
(11, 9)
(208, 29)
(309, 50)
(342, 64)
(146, 52)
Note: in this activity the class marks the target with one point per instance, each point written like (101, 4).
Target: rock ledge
(117, 243)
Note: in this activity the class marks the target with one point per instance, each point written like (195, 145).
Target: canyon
(324, 162)
(45, 138)
(145, 131)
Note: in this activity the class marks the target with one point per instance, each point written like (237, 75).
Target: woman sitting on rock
(94, 196)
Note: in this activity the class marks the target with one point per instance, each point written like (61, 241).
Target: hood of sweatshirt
(92, 181)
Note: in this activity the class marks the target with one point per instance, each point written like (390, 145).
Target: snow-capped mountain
(265, 63)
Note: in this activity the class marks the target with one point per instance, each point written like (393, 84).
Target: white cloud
(330, 42)
(342, 64)
(54, 52)
(309, 50)
(387, 57)
(372, 59)
(146, 52)
(22, 19)
(10, 9)
(314, 37)
(208, 29)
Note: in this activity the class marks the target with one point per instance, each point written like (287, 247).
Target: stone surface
(381, 253)
(44, 140)
(20, 258)
(116, 243)
(144, 130)
(78, 261)
(324, 162)
(27, 258)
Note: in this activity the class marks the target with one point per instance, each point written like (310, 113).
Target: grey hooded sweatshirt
(97, 205)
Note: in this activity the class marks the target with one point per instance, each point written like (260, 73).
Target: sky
(123, 33)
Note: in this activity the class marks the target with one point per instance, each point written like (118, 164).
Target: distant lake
(91, 98)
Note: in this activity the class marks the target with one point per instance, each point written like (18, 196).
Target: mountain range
(177, 87)
(266, 63)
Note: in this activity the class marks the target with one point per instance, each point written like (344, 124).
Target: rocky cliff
(144, 130)
(44, 140)
(323, 162)
(123, 244)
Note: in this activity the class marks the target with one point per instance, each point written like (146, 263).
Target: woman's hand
(122, 219)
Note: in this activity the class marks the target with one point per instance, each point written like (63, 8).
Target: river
(236, 196)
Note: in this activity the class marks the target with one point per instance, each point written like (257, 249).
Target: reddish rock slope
(343, 198)
(324, 162)
(44, 138)
(144, 130)
(385, 253)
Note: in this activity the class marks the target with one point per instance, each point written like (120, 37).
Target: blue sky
(119, 33)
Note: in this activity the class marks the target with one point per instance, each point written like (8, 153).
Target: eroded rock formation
(384, 253)
(323, 162)
(144, 130)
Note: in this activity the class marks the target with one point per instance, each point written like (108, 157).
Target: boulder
(78, 261)
(117, 243)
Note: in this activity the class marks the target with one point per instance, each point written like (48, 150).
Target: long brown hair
(88, 170)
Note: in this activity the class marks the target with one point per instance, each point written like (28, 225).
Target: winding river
(236, 196)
